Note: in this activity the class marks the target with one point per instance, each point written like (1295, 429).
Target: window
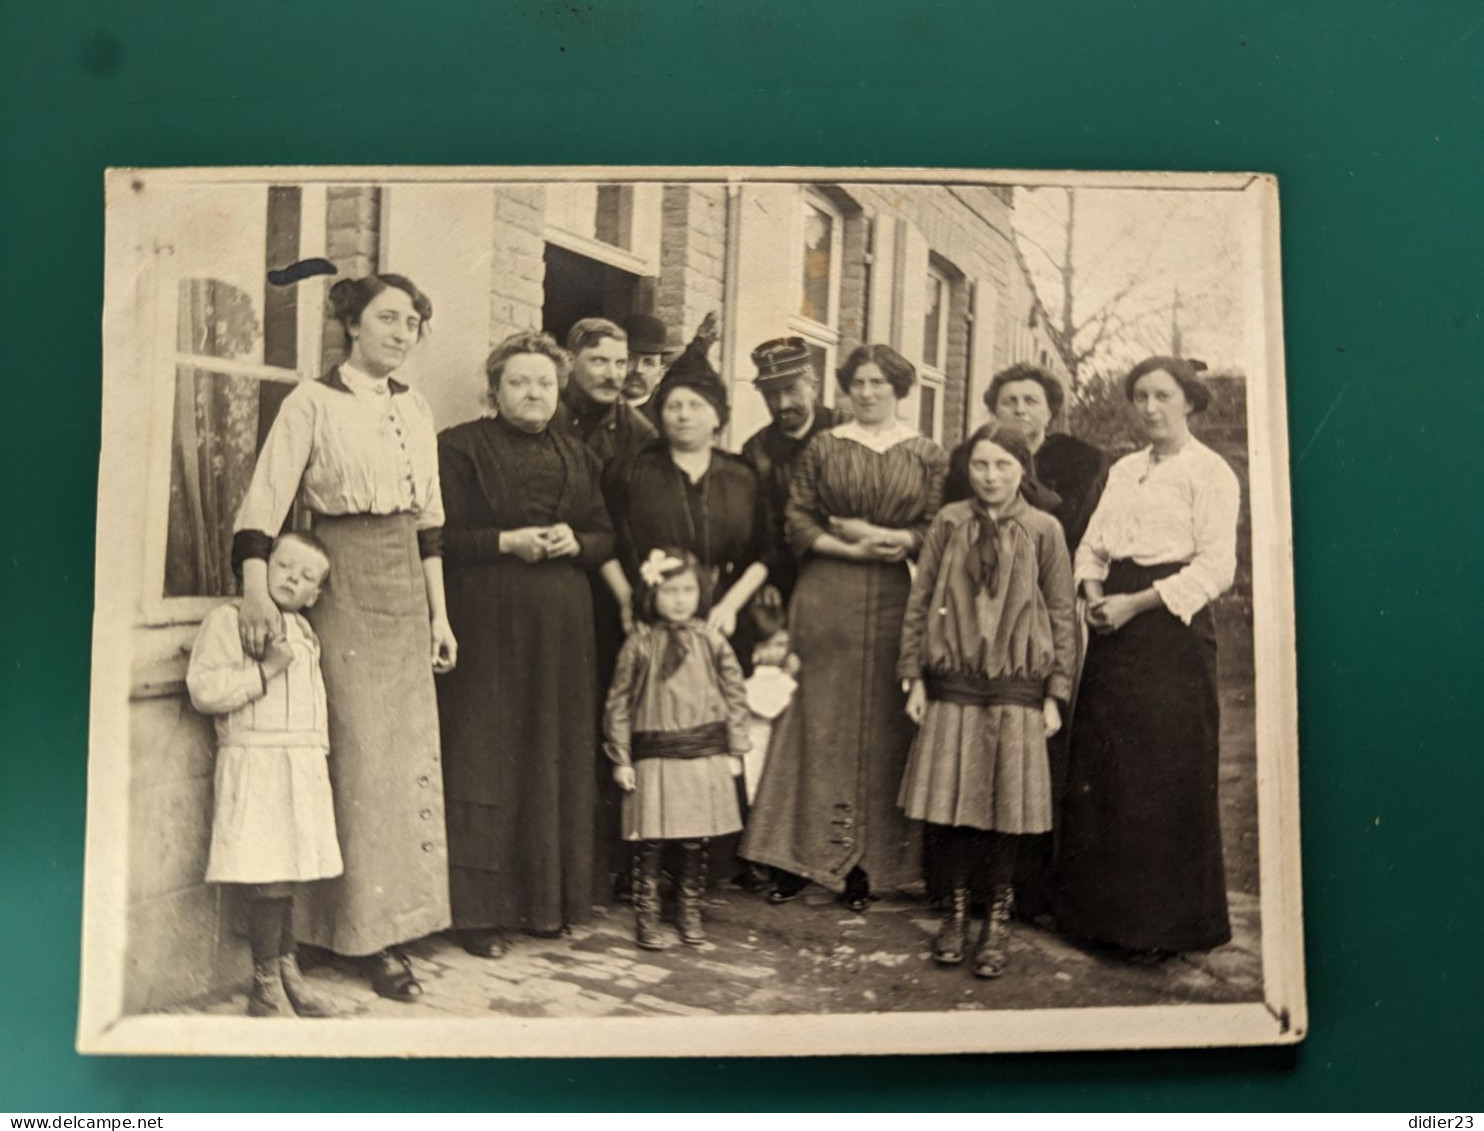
(614, 224)
(935, 324)
(818, 265)
(232, 346)
(937, 294)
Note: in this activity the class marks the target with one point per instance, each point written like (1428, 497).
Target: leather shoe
(392, 977)
(483, 944)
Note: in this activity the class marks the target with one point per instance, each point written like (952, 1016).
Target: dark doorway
(578, 287)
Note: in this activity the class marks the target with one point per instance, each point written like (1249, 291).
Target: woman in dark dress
(863, 496)
(682, 491)
(1139, 856)
(525, 523)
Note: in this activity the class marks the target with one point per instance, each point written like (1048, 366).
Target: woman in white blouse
(359, 450)
(1139, 852)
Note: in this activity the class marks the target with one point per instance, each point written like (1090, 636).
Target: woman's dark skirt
(1139, 853)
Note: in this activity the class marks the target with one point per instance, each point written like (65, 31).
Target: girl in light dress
(677, 726)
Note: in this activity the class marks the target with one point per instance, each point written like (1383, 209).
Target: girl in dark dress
(1139, 857)
(525, 524)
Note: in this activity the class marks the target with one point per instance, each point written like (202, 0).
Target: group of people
(591, 579)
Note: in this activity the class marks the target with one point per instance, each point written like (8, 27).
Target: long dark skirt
(1139, 854)
(519, 741)
(828, 799)
(376, 656)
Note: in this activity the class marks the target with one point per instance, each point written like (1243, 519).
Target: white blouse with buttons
(1175, 509)
(365, 451)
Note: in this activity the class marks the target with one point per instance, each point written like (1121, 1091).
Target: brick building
(930, 269)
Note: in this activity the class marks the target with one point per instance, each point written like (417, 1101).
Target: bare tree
(1141, 308)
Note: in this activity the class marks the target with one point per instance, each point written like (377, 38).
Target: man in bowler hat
(650, 357)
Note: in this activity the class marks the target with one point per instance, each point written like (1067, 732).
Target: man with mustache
(593, 408)
(650, 357)
(790, 386)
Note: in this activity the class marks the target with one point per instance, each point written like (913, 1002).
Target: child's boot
(953, 934)
(692, 891)
(646, 895)
(993, 952)
(267, 999)
(306, 1001)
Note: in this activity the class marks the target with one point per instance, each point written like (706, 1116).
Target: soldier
(790, 386)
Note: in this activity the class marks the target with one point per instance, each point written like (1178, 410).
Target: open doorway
(579, 287)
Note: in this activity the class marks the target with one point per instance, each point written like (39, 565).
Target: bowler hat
(646, 333)
(781, 362)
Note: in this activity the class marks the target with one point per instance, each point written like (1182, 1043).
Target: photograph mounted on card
(691, 611)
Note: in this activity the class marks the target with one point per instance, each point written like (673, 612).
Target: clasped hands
(870, 542)
(532, 544)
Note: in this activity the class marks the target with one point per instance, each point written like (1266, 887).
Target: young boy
(274, 820)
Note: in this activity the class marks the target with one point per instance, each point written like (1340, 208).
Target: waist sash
(704, 741)
(979, 691)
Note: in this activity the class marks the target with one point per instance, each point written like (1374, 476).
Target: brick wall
(352, 241)
(518, 266)
(692, 279)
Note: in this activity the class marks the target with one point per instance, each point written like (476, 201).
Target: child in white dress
(273, 825)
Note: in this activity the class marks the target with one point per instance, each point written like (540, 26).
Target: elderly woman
(358, 449)
(863, 495)
(1139, 858)
(525, 525)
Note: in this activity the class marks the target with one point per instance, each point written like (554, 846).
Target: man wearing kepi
(789, 385)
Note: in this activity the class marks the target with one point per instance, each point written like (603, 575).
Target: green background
(1369, 112)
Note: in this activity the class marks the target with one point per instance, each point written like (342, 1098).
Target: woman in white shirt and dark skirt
(1139, 852)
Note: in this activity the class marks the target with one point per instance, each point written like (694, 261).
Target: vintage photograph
(691, 611)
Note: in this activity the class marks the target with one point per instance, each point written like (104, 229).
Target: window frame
(162, 362)
(935, 377)
(824, 335)
(636, 261)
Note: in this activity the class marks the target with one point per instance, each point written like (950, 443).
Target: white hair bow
(654, 567)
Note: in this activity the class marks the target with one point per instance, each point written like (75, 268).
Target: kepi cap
(781, 362)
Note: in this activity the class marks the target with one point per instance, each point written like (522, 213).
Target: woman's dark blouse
(498, 478)
(717, 517)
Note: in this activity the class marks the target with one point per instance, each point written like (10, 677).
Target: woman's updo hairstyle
(897, 370)
(350, 297)
(526, 341)
(1186, 372)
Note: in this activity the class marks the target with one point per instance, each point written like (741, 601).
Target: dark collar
(335, 381)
